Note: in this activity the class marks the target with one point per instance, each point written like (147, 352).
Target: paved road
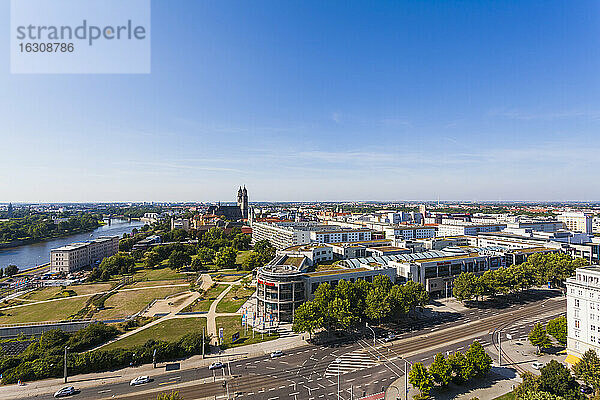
(311, 372)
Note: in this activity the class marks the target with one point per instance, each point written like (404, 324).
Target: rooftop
(337, 271)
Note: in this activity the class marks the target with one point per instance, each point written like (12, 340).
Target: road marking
(104, 391)
(167, 383)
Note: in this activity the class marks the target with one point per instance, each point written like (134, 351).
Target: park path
(88, 295)
(191, 297)
(211, 316)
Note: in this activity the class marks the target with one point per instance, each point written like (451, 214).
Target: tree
(556, 379)
(529, 384)
(440, 370)
(538, 337)
(252, 261)
(152, 259)
(206, 255)
(178, 259)
(557, 327)
(226, 257)
(11, 270)
(465, 286)
(420, 377)
(462, 369)
(377, 304)
(196, 264)
(479, 359)
(588, 369)
(308, 317)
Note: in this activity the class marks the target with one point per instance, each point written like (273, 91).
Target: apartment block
(76, 256)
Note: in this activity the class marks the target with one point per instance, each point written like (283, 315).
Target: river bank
(38, 253)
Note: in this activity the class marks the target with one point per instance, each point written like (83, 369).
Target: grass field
(203, 305)
(157, 283)
(233, 324)
(228, 277)
(507, 396)
(241, 256)
(129, 302)
(234, 299)
(50, 311)
(161, 274)
(170, 330)
(52, 292)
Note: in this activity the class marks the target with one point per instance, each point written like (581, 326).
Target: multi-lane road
(311, 372)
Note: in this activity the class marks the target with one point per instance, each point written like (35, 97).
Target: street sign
(221, 333)
(235, 337)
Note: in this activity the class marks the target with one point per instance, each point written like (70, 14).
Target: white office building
(577, 221)
(583, 313)
(466, 228)
(76, 256)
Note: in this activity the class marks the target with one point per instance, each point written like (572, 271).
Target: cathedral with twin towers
(240, 211)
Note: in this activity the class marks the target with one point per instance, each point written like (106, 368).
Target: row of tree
(349, 304)
(41, 226)
(458, 368)
(556, 327)
(44, 358)
(539, 269)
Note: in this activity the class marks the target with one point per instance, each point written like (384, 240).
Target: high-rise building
(577, 221)
(583, 313)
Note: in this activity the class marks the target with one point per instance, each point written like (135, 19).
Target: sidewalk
(49, 386)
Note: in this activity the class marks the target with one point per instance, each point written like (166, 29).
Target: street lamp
(338, 361)
(499, 344)
(65, 363)
(367, 324)
(406, 362)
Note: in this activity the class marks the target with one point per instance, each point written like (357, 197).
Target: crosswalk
(350, 362)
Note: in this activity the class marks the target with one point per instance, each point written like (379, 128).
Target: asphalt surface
(311, 372)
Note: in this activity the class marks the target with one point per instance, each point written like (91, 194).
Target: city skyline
(320, 102)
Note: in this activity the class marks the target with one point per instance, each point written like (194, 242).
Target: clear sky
(320, 100)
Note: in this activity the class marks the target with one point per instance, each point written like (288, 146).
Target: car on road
(538, 365)
(140, 380)
(66, 391)
(216, 365)
(586, 389)
(276, 353)
(390, 337)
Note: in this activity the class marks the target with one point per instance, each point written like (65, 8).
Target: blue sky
(312, 100)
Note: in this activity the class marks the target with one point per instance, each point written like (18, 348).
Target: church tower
(244, 203)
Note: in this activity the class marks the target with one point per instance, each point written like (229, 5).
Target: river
(39, 253)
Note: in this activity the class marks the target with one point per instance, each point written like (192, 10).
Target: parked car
(538, 365)
(277, 353)
(66, 391)
(216, 365)
(140, 380)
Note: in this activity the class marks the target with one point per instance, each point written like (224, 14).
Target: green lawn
(232, 324)
(234, 299)
(50, 311)
(170, 330)
(129, 302)
(203, 304)
(241, 256)
(507, 396)
(161, 274)
(54, 292)
(228, 277)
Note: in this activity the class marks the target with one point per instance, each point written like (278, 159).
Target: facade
(76, 256)
(577, 221)
(314, 253)
(181, 223)
(341, 235)
(583, 312)
(280, 289)
(410, 232)
(239, 211)
(467, 229)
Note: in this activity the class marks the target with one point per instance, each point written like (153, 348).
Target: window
(576, 303)
(593, 339)
(592, 328)
(576, 323)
